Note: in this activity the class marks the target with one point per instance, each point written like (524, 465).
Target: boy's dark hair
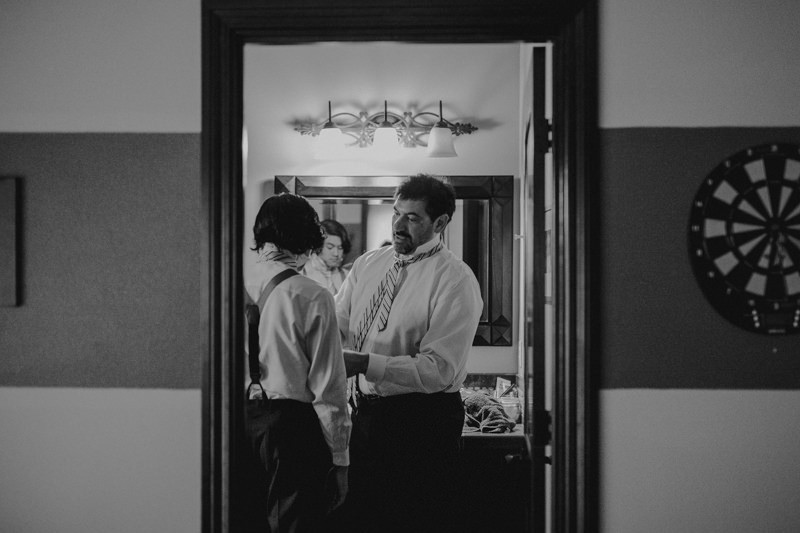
(439, 195)
(289, 222)
(332, 227)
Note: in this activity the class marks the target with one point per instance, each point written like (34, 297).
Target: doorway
(227, 27)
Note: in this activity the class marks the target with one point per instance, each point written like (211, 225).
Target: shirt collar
(270, 252)
(422, 248)
(316, 262)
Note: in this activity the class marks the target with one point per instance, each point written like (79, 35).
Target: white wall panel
(709, 63)
(100, 66)
(699, 461)
(100, 460)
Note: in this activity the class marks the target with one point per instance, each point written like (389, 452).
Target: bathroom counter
(513, 440)
(495, 483)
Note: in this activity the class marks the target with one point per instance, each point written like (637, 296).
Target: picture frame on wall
(10, 236)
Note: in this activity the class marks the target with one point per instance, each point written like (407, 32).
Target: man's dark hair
(332, 227)
(289, 222)
(439, 196)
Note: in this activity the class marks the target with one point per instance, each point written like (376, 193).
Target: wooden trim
(226, 26)
(575, 146)
(423, 21)
(222, 80)
(537, 343)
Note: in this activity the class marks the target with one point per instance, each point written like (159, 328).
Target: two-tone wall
(100, 365)
(698, 425)
(100, 368)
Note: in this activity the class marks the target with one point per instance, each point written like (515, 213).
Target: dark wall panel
(657, 329)
(111, 272)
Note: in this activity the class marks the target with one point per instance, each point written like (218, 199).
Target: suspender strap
(253, 314)
(253, 317)
(279, 277)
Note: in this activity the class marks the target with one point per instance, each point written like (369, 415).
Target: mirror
(481, 232)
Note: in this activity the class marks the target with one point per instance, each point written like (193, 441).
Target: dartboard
(744, 238)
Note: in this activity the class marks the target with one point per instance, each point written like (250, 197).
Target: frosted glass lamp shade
(384, 141)
(329, 143)
(440, 142)
(384, 138)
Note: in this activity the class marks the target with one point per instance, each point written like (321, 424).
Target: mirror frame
(571, 27)
(496, 329)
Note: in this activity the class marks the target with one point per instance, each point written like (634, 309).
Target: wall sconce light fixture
(385, 131)
(440, 140)
(330, 140)
(384, 137)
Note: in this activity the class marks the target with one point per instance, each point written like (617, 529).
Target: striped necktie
(381, 302)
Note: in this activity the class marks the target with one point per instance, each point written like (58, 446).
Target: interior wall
(110, 261)
(672, 337)
(696, 431)
(81, 460)
(100, 66)
(110, 458)
(100, 372)
(285, 84)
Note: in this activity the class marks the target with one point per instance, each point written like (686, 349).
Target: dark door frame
(572, 28)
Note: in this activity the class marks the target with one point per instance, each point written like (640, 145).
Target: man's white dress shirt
(431, 326)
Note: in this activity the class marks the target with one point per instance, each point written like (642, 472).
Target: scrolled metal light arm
(412, 128)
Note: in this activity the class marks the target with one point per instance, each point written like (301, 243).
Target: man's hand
(355, 362)
(336, 487)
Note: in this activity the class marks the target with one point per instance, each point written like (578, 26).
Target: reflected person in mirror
(325, 264)
(408, 314)
(297, 418)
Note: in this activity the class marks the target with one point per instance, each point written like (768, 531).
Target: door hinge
(542, 427)
(543, 136)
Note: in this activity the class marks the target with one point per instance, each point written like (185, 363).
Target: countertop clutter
(491, 404)
(485, 414)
